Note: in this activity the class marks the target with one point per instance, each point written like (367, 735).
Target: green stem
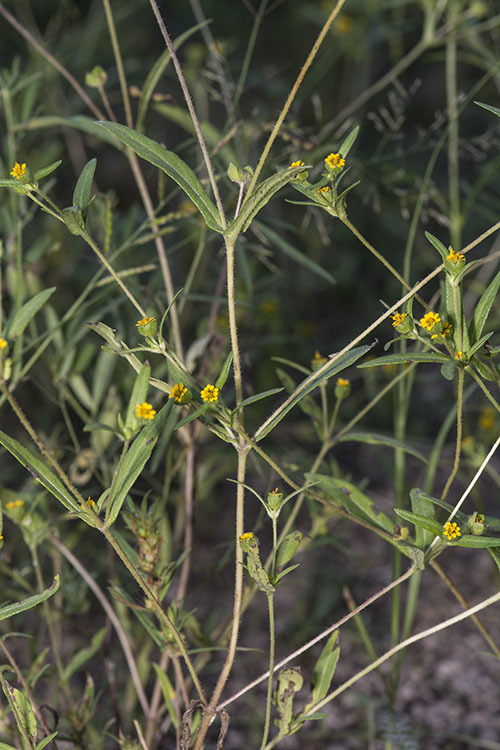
(383, 260)
(191, 109)
(458, 444)
(162, 615)
(404, 644)
(291, 96)
(119, 62)
(452, 107)
(88, 239)
(249, 52)
(272, 643)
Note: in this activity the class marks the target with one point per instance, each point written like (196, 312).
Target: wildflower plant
(163, 370)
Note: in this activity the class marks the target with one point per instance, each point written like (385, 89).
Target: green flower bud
(250, 545)
(147, 326)
(318, 361)
(475, 524)
(96, 78)
(342, 388)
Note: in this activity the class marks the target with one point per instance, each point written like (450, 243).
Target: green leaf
(194, 415)
(3, 746)
(135, 459)
(74, 220)
(224, 373)
(138, 395)
(348, 143)
(79, 122)
(324, 671)
(348, 496)
(374, 439)
(423, 506)
(495, 110)
(295, 254)
(257, 397)
(45, 171)
(473, 349)
(284, 573)
(399, 359)
(168, 691)
(24, 714)
(288, 548)
(421, 521)
(44, 475)
(442, 250)
(172, 165)
(448, 370)
(22, 317)
(83, 187)
(471, 540)
(32, 601)
(259, 198)
(483, 308)
(308, 385)
(156, 73)
(43, 743)
(83, 656)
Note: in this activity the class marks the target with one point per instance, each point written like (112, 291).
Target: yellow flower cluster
(343, 382)
(3, 343)
(210, 393)
(323, 190)
(444, 333)
(455, 257)
(452, 530)
(297, 164)
(178, 392)
(335, 160)
(144, 321)
(145, 411)
(429, 320)
(398, 318)
(12, 504)
(18, 170)
(246, 535)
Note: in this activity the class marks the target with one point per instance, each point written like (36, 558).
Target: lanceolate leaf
(259, 198)
(399, 359)
(171, 164)
(134, 462)
(437, 244)
(374, 439)
(45, 476)
(31, 601)
(83, 187)
(483, 308)
(25, 313)
(308, 385)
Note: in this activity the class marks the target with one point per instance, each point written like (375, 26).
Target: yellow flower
(3, 343)
(297, 164)
(455, 257)
(178, 392)
(18, 170)
(429, 320)
(144, 321)
(210, 393)
(343, 382)
(1, 537)
(335, 161)
(487, 418)
(145, 411)
(445, 333)
(398, 318)
(323, 190)
(459, 355)
(14, 504)
(451, 530)
(246, 535)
